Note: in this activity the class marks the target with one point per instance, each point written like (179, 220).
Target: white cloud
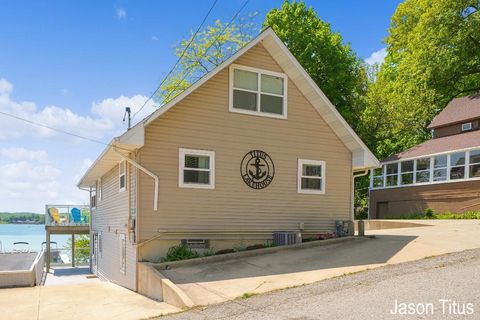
(121, 13)
(154, 38)
(377, 57)
(24, 154)
(23, 178)
(5, 87)
(104, 122)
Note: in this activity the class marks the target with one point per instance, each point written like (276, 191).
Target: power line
(60, 130)
(178, 60)
(206, 50)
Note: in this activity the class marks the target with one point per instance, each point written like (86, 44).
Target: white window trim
(181, 167)
(124, 164)
(300, 175)
(93, 193)
(431, 169)
(466, 126)
(259, 72)
(99, 189)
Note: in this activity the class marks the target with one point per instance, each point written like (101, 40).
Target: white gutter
(151, 174)
(352, 196)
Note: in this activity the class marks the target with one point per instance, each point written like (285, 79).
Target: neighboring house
(252, 148)
(442, 173)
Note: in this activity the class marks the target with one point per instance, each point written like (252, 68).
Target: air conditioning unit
(284, 238)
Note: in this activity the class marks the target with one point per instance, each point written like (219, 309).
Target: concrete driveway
(220, 281)
(92, 299)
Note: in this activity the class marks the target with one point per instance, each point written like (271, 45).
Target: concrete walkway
(68, 294)
(221, 281)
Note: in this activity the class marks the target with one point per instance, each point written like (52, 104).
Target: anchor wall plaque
(257, 169)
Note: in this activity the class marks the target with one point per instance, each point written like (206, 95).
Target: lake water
(34, 234)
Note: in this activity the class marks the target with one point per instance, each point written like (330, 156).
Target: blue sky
(76, 64)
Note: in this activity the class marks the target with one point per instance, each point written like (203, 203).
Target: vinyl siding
(202, 121)
(111, 219)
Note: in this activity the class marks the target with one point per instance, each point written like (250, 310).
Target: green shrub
(429, 213)
(209, 252)
(180, 252)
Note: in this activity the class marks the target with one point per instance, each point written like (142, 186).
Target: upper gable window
(258, 92)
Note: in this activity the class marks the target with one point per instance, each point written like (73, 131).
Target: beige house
(252, 148)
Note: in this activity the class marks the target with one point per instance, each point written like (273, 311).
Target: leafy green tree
(82, 248)
(210, 47)
(432, 56)
(331, 63)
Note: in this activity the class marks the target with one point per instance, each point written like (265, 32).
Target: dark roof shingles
(450, 143)
(459, 109)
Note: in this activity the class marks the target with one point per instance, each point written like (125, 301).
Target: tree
(82, 248)
(333, 65)
(432, 56)
(210, 47)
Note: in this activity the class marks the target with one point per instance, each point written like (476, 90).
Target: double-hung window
(311, 176)
(440, 168)
(391, 177)
(457, 165)
(475, 164)
(197, 169)
(93, 198)
(378, 177)
(406, 174)
(422, 170)
(258, 92)
(122, 176)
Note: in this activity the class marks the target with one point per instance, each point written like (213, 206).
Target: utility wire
(60, 130)
(206, 50)
(178, 60)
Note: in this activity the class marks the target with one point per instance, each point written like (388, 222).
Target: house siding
(397, 202)
(450, 130)
(233, 210)
(111, 219)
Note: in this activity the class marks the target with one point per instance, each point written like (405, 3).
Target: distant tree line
(21, 217)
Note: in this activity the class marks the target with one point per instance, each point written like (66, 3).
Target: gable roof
(362, 157)
(458, 110)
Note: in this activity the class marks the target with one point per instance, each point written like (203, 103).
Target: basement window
(466, 126)
(311, 176)
(196, 243)
(122, 176)
(258, 92)
(196, 169)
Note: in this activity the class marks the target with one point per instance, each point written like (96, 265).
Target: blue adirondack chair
(76, 215)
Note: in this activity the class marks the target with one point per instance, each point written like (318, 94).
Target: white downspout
(355, 175)
(151, 174)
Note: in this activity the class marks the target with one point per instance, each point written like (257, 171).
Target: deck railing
(67, 215)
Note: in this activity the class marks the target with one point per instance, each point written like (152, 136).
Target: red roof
(450, 143)
(458, 110)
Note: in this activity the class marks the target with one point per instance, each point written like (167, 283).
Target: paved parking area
(209, 283)
(87, 300)
(366, 295)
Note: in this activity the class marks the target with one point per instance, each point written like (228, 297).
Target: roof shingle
(458, 110)
(450, 143)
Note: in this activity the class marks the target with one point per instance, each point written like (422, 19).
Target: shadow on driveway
(346, 254)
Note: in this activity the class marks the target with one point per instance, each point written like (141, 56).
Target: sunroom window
(391, 177)
(457, 165)
(475, 164)
(406, 176)
(423, 170)
(197, 169)
(378, 177)
(255, 91)
(440, 168)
